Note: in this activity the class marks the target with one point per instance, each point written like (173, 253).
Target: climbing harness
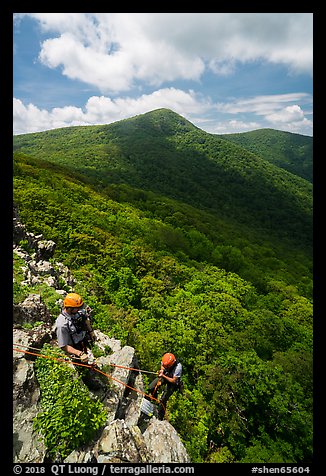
(93, 367)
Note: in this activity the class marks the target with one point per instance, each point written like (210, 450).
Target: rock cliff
(125, 437)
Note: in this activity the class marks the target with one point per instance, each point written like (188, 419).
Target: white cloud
(274, 111)
(112, 51)
(288, 114)
(262, 105)
(292, 119)
(32, 119)
(84, 63)
(229, 127)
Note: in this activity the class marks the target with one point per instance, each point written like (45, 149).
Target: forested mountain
(163, 153)
(292, 152)
(185, 242)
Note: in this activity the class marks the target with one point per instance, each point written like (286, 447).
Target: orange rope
(113, 365)
(90, 367)
(130, 368)
(158, 383)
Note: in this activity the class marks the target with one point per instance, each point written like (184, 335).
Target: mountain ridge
(164, 153)
(278, 148)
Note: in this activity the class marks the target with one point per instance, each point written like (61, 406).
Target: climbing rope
(111, 364)
(90, 366)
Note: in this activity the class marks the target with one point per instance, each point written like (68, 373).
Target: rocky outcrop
(120, 443)
(27, 446)
(31, 310)
(37, 267)
(122, 439)
(127, 437)
(44, 249)
(163, 443)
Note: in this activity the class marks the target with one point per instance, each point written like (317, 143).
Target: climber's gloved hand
(83, 357)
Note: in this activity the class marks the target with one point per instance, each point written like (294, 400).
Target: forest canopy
(205, 274)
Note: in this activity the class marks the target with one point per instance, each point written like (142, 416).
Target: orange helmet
(73, 300)
(168, 360)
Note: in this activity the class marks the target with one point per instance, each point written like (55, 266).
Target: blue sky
(224, 72)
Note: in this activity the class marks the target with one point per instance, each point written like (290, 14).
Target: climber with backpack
(73, 327)
(75, 335)
(169, 375)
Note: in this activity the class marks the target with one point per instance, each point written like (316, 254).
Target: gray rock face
(31, 311)
(32, 339)
(27, 446)
(164, 444)
(120, 443)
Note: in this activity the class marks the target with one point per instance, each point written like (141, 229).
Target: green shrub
(69, 416)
